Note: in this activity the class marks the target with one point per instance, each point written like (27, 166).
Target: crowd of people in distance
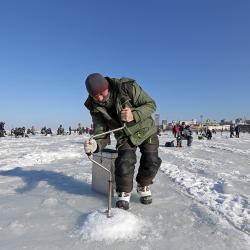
(23, 132)
(182, 131)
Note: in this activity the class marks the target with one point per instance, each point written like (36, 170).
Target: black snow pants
(126, 160)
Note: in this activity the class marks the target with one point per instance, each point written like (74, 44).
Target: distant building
(218, 127)
(194, 121)
(212, 122)
(225, 122)
(188, 122)
(157, 120)
(164, 124)
(239, 121)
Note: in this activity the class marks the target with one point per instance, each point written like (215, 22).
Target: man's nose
(100, 98)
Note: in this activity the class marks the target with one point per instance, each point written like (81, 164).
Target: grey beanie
(96, 83)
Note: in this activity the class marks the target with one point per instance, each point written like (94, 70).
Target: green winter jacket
(142, 106)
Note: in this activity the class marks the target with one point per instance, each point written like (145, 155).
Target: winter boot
(123, 200)
(145, 194)
(179, 142)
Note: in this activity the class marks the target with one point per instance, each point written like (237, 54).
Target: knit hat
(96, 83)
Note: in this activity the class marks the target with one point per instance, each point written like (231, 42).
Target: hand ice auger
(109, 172)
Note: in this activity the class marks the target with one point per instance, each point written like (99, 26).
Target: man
(113, 102)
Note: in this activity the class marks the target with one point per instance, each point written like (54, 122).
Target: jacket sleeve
(143, 105)
(100, 127)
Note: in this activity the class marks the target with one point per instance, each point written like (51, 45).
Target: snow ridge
(234, 207)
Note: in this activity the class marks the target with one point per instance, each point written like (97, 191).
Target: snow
(97, 227)
(201, 197)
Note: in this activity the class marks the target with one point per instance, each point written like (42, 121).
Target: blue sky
(191, 56)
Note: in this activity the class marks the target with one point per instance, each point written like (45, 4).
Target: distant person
(187, 133)
(19, 132)
(83, 130)
(60, 130)
(91, 131)
(175, 129)
(237, 131)
(111, 103)
(70, 130)
(231, 130)
(2, 130)
(209, 134)
(48, 132)
(179, 136)
(79, 129)
(43, 130)
(33, 130)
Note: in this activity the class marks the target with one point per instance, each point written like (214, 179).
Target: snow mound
(123, 225)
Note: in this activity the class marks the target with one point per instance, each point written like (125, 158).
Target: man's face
(102, 96)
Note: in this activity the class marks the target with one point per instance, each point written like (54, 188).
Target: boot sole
(122, 205)
(146, 200)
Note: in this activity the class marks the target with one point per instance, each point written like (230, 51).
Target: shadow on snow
(31, 178)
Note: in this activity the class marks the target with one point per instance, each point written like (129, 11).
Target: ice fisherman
(111, 103)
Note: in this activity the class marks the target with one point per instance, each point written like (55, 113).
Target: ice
(201, 198)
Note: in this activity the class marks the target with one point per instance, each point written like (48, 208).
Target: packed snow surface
(201, 197)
